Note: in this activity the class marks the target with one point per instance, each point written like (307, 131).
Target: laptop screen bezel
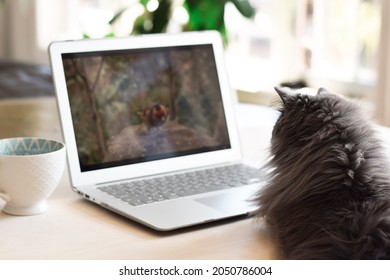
(80, 178)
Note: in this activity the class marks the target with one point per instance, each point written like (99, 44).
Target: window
(325, 42)
(340, 40)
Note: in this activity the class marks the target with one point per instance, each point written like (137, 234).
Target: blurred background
(339, 45)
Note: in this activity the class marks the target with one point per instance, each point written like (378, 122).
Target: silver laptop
(149, 127)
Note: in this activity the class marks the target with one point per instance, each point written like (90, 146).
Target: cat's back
(329, 187)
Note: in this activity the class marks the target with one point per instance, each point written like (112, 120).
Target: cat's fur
(328, 193)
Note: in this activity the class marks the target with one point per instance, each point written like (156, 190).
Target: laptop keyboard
(183, 184)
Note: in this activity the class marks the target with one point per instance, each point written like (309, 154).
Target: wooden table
(74, 228)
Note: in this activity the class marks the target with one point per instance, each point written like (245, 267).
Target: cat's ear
(284, 93)
(322, 91)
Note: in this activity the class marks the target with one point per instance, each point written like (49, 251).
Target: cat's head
(309, 117)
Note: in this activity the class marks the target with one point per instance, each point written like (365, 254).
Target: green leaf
(117, 16)
(206, 14)
(109, 35)
(144, 2)
(138, 27)
(244, 7)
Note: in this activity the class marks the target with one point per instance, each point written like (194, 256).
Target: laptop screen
(139, 105)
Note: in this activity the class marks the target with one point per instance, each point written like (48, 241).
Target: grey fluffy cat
(328, 193)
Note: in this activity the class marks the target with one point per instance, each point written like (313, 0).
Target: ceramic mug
(30, 170)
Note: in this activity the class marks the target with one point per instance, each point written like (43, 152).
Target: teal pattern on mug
(28, 146)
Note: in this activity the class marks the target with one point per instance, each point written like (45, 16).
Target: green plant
(202, 15)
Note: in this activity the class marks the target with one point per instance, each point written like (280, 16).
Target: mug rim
(62, 146)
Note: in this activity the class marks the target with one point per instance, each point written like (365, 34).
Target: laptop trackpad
(228, 203)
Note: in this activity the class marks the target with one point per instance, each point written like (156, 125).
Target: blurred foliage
(202, 15)
(153, 22)
(209, 14)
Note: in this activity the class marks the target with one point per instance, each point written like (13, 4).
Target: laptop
(149, 125)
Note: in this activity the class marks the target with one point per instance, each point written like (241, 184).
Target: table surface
(74, 228)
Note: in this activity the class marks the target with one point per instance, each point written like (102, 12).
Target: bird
(154, 116)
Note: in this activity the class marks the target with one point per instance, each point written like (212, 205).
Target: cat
(328, 190)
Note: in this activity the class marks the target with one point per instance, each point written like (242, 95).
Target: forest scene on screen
(144, 106)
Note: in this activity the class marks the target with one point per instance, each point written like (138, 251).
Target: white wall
(3, 47)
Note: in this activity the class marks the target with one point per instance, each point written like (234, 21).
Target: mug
(30, 170)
